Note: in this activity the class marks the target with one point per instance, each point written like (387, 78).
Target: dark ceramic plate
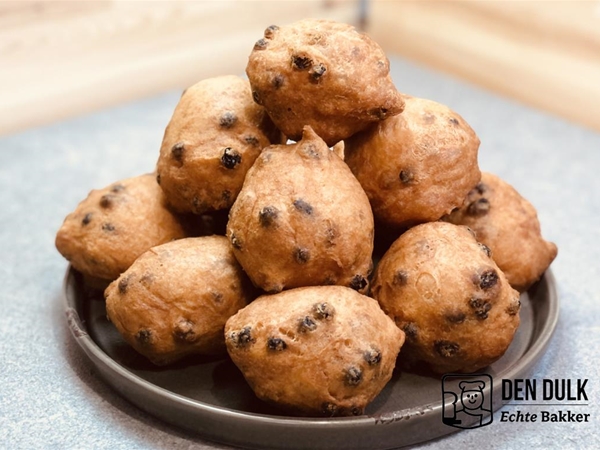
(210, 397)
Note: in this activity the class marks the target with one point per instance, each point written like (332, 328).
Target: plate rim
(96, 355)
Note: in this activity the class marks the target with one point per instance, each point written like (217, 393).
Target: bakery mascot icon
(471, 406)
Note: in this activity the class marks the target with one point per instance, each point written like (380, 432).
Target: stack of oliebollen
(241, 243)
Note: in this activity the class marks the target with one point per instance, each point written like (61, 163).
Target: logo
(568, 394)
(467, 400)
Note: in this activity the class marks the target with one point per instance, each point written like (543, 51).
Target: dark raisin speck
(301, 255)
(480, 188)
(329, 409)
(485, 249)
(301, 62)
(274, 289)
(455, 316)
(158, 178)
(87, 219)
(270, 31)
(108, 227)
(230, 158)
(147, 279)
(379, 113)
(453, 121)
(476, 302)
(372, 357)
(117, 188)
(177, 151)
(268, 216)
(261, 44)
(411, 331)
(482, 313)
(276, 344)
(479, 207)
(252, 140)
(406, 176)
(123, 284)
(106, 200)
(489, 278)
(323, 311)
(446, 349)
(242, 337)
(353, 376)
(184, 331)
(228, 120)
(307, 324)
(329, 281)
(358, 282)
(303, 207)
(144, 336)
(481, 307)
(311, 150)
(317, 71)
(278, 81)
(400, 278)
(235, 242)
(514, 308)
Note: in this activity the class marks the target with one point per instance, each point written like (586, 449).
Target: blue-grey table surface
(51, 398)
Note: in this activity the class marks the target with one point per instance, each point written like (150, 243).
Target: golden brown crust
(323, 350)
(114, 225)
(214, 136)
(302, 219)
(175, 299)
(417, 166)
(508, 224)
(455, 305)
(323, 74)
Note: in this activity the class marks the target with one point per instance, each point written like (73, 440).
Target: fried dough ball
(114, 225)
(175, 298)
(323, 74)
(302, 219)
(508, 224)
(417, 166)
(444, 291)
(214, 136)
(323, 350)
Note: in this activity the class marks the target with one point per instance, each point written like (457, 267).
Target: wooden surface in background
(543, 53)
(60, 59)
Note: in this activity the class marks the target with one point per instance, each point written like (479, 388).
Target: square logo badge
(467, 400)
